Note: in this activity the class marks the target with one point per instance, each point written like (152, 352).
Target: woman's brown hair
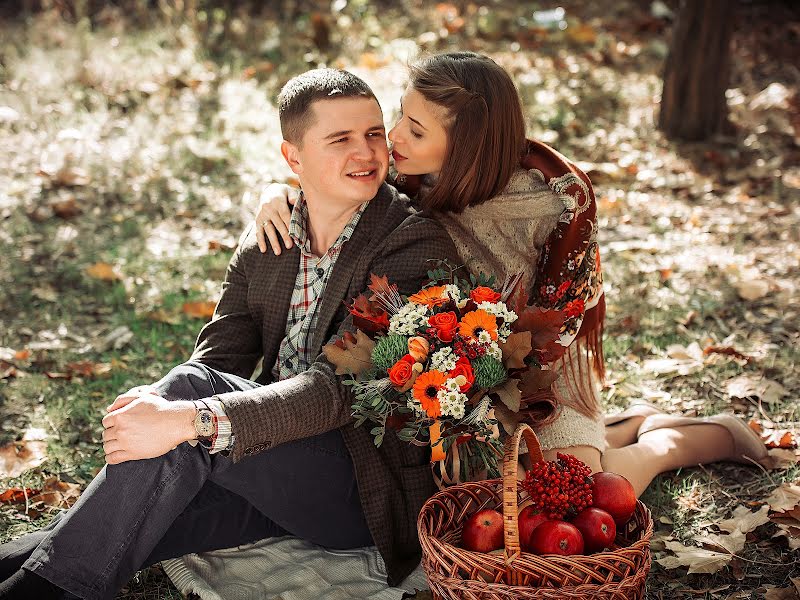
(485, 127)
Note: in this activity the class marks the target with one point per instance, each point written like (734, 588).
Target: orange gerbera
(430, 297)
(476, 321)
(425, 389)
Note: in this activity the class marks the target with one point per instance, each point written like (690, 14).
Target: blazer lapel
(339, 281)
(276, 298)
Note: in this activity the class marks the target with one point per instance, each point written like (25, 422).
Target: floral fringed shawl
(568, 277)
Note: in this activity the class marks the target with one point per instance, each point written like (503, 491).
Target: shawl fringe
(580, 370)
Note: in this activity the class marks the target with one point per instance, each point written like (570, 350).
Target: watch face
(204, 423)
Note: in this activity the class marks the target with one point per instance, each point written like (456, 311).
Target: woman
(517, 206)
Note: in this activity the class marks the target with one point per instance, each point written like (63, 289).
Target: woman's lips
(397, 156)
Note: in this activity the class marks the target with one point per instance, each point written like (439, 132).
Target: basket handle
(510, 505)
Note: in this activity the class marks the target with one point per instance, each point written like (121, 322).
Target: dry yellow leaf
(18, 457)
(103, 271)
(515, 349)
(199, 310)
(351, 355)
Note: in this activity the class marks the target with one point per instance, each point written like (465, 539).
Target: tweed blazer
(391, 239)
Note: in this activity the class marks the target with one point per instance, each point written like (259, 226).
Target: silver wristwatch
(205, 425)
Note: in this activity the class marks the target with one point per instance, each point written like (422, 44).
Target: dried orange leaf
(781, 458)
(507, 418)
(199, 310)
(699, 560)
(57, 493)
(18, 457)
(351, 355)
(515, 349)
(379, 286)
(785, 498)
(87, 368)
(22, 354)
(15, 494)
(509, 394)
(66, 208)
(7, 369)
(103, 271)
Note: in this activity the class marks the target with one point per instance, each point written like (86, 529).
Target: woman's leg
(668, 449)
(656, 452)
(623, 433)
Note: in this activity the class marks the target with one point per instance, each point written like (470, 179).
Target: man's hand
(142, 424)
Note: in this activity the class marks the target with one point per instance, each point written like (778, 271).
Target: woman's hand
(273, 216)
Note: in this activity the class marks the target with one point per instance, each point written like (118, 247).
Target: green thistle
(489, 372)
(388, 350)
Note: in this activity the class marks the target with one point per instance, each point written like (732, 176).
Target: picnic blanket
(288, 568)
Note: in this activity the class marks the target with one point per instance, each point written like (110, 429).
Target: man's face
(343, 158)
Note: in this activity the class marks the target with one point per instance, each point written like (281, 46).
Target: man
(279, 455)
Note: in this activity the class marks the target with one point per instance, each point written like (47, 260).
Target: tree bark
(693, 104)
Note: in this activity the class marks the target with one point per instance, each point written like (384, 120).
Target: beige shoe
(637, 409)
(748, 447)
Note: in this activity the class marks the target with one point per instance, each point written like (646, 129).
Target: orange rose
(445, 324)
(484, 294)
(401, 372)
(463, 367)
(418, 348)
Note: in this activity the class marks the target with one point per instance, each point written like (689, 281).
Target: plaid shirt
(295, 355)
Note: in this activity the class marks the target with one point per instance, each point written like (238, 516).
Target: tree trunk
(693, 105)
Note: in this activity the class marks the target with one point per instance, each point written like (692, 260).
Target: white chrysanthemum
(484, 337)
(499, 310)
(494, 351)
(443, 360)
(452, 403)
(409, 319)
(453, 291)
(503, 332)
(452, 386)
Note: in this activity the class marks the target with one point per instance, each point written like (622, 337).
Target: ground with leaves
(126, 143)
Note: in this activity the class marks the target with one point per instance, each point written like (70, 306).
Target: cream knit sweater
(504, 236)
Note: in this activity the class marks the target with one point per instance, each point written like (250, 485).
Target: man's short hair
(299, 93)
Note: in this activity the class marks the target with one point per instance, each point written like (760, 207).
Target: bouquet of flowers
(444, 365)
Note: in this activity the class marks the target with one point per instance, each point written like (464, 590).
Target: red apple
(557, 537)
(529, 519)
(614, 494)
(597, 528)
(483, 531)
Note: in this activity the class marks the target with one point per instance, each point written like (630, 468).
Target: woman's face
(419, 140)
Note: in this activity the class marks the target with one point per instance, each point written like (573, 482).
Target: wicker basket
(456, 573)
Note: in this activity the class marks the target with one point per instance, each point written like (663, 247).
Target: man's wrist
(187, 412)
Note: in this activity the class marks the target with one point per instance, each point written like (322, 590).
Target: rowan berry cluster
(472, 351)
(559, 488)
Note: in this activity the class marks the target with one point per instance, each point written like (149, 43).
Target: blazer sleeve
(231, 341)
(316, 401)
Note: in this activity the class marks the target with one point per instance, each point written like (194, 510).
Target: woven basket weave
(456, 573)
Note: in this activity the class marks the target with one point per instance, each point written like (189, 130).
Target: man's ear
(291, 154)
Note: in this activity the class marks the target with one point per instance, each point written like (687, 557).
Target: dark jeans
(139, 512)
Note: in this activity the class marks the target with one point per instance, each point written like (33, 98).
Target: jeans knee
(187, 381)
